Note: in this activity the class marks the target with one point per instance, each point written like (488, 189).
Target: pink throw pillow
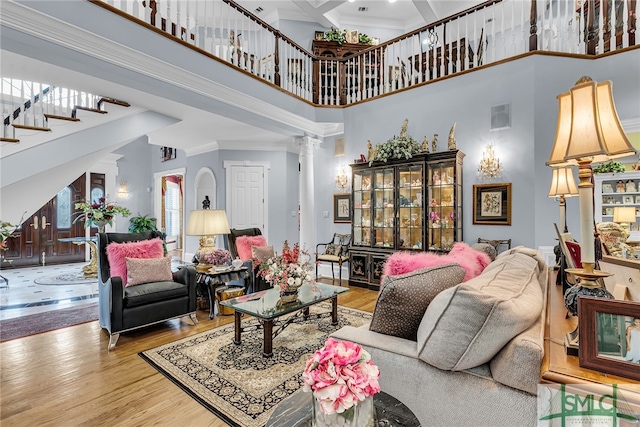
(118, 252)
(472, 261)
(147, 270)
(244, 243)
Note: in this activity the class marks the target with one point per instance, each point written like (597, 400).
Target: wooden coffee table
(267, 307)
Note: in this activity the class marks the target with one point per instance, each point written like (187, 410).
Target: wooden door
(35, 242)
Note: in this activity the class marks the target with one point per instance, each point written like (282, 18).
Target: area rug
(236, 382)
(48, 321)
(65, 278)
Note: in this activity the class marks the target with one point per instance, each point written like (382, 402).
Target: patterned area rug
(236, 382)
(48, 321)
(65, 278)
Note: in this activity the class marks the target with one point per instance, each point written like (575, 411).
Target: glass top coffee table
(267, 307)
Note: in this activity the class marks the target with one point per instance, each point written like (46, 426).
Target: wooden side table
(559, 368)
(213, 280)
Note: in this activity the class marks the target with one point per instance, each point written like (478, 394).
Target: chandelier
(341, 179)
(489, 166)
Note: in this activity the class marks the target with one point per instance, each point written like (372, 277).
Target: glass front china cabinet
(413, 205)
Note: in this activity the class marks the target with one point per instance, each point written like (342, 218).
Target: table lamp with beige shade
(624, 215)
(563, 185)
(588, 131)
(207, 223)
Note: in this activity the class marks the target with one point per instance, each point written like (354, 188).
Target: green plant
(610, 166)
(398, 147)
(364, 39)
(139, 224)
(335, 35)
(93, 213)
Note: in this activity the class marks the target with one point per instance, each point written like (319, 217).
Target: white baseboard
(324, 270)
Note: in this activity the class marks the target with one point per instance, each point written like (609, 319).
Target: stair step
(93, 110)
(67, 118)
(113, 101)
(9, 140)
(31, 128)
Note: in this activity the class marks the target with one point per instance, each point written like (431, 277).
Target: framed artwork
(342, 207)
(492, 204)
(610, 336)
(606, 188)
(319, 35)
(627, 200)
(352, 36)
(167, 153)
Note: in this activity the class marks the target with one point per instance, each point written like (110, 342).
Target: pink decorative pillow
(147, 270)
(244, 243)
(118, 252)
(471, 260)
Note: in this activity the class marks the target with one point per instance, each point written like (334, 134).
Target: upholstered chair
(140, 303)
(256, 283)
(334, 252)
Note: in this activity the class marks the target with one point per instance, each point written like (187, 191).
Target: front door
(35, 242)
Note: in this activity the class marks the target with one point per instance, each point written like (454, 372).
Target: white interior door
(247, 195)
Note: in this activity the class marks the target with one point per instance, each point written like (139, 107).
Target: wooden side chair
(335, 252)
(496, 243)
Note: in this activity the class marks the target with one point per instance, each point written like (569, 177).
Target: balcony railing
(488, 33)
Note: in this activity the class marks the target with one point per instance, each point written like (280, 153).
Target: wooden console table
(559, 368)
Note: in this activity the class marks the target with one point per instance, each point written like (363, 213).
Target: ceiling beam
(425, 10)
(318, 14)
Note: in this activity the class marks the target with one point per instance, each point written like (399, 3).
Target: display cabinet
(615, 190)
(413, 205)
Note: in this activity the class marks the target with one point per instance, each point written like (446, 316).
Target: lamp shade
(207, 222)
(588, 126)
(624, 214)
(563, 183)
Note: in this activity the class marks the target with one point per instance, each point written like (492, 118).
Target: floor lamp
(588, 131)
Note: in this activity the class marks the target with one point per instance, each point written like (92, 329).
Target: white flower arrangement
(398, 147)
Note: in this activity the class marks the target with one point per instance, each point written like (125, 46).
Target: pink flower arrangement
(289, 270)
(340, 375)
(434, 216)
(217, 257)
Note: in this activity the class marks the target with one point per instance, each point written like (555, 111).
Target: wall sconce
(123, 191)
(489, 166)
(342, 181)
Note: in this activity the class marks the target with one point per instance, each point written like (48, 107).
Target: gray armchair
(123, 309)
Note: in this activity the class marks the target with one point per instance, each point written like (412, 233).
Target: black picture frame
(342, 209)
(492, 204)
(167, 153)
(319, 35)
(598, 317)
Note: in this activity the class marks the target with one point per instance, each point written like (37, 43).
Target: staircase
(31, 108)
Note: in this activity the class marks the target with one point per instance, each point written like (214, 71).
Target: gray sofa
(479, 348)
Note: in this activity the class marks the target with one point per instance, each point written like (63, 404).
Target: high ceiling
(401, 15)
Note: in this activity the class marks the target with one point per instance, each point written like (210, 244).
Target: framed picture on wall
(342, 208)
(168, 153)
(492, 204)
(610, 336)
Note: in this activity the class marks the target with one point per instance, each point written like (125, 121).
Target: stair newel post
(533, 28)
(277, 60)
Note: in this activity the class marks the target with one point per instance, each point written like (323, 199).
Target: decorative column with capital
(306, 145)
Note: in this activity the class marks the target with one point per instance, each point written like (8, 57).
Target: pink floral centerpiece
(343, 380)
(287, 271)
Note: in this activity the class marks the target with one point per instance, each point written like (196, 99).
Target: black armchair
(335, 252)
(256, 283)
(122, 309)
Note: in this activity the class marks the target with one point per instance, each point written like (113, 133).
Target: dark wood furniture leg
(268, 338)
(305, 313)
(334, 310)
(236, 327)
(211, 292)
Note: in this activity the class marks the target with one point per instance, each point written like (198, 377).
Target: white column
(307, 209)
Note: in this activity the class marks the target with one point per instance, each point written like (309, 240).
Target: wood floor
(68, 378)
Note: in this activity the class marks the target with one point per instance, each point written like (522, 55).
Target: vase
(289, 295)
(360, 415)
(101, 224)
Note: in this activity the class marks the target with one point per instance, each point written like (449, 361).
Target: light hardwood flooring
(68, 378)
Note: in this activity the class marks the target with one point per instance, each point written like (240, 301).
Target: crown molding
(29, 21)
(631, 125)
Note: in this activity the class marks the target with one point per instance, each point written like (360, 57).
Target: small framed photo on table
(492, 204)
(610, 336)
(342, 208)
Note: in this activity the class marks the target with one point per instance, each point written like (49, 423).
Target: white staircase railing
(29, 105)
(493, 31)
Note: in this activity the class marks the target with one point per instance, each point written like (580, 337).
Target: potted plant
(335, 35)
(609, 167)
(139, 224)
